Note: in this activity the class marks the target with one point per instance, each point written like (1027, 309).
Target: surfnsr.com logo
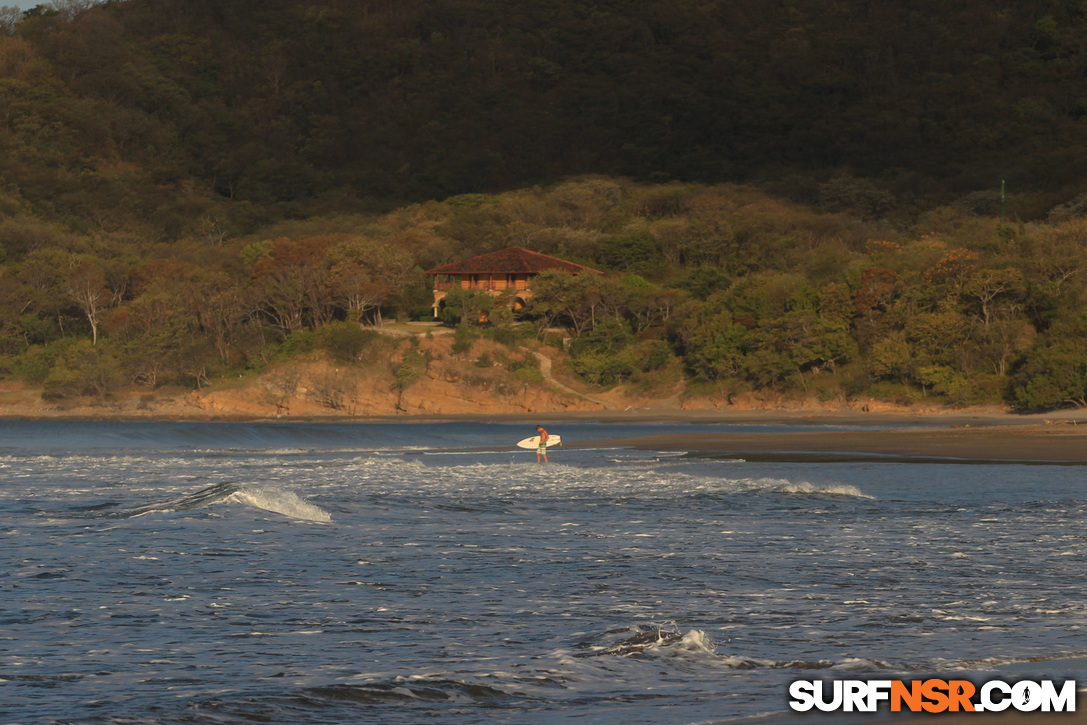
(932, 696)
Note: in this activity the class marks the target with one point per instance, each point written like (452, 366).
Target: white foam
(280, 501)
(697, 640)
(808, 489)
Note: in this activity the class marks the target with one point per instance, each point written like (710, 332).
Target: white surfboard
(534, 442)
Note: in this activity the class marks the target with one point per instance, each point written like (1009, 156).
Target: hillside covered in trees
(797, 197)
(295, 107)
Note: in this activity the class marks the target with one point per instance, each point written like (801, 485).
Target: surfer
(541, 449)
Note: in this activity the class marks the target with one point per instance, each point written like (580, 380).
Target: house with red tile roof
(508, 270)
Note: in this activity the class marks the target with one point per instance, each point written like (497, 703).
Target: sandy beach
(967, 435)
(999, 441)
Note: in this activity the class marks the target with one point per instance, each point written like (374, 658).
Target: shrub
(609, 336)
(655, 354)
(85, 369)
(463, 337)
(894, 392)
(36, 362)
(603, 368)
(508, 336)
(344, 341)
(526, 368)
(422, 313)
(410, 368)
(297, 342)
(528, 375)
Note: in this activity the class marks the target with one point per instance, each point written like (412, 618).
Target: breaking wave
(804, 488)
(268, 498)
(408, 689)
(643, 639)
(668, 641)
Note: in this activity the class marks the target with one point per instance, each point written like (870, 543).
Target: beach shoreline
(830, 434)
(903, 416)
(1058, 437)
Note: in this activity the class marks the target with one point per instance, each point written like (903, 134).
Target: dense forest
(801, 197)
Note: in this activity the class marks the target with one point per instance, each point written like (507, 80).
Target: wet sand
(1063, 443)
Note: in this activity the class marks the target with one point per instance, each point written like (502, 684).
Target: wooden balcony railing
(485, 284)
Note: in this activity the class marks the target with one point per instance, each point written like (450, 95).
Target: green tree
(700, 282)
(644, 304)
(633, 251)
(713, 344)
(995, 293)
(345, 341)
(602, 356)
(1054, 371)
(891, 358)
(467, 306)
(85, 369)
(577, 300)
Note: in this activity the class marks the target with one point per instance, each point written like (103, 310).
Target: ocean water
(431, 572)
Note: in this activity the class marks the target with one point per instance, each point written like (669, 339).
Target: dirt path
(545, 370)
